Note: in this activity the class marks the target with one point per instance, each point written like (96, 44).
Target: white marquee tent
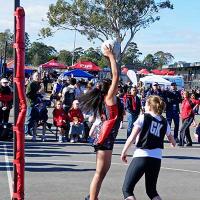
(147, 80)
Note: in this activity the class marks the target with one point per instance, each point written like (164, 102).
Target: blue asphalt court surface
(57, 171)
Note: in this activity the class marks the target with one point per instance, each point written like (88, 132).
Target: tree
(27, 47)
(77, 53)
(149, 62)
(65, 57)
(6, 36)
(131, 56)
(104, 19)
(91, 54)
(40, 53)
(162, 58)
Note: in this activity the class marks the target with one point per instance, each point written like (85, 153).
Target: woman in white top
(148, 134)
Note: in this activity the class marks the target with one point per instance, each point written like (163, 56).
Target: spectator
(76, 122)
(173, 99)
(56, 92)
(78, 89)
(39, 115)
(60, 120)
(68, 95)
(6, 97)
(187, 115)
(33, 92)
(46, 80)
(133, 107)
(155, 90)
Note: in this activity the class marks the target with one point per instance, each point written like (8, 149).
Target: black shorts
(102, 148)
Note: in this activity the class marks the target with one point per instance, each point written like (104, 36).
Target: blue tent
(77, 73)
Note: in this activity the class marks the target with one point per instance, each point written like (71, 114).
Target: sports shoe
(121, 125)
(177, 140)
(72, 140)
(33, 138)
(60, 139)
(43, 138)
(76, 139)
(188, 144)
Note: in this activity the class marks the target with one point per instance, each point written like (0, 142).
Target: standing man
(173, 99)
(133, 106)
(32, 93)
(155, 90)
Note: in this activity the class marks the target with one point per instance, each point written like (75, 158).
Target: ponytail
(92, 101)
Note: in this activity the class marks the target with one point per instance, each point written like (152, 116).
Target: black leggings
(139, 166)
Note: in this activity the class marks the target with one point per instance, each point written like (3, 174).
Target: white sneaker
(60, 139)
(121, 125)
(72, 140)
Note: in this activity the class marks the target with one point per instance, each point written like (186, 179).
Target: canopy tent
(167, 72)
(143, 71)
(76, 73)
(86, 65)
(27, 69)
(54, 64)
(156, 72)
(162, 72)
(147, 80)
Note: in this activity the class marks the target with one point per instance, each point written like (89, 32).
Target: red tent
(156, 72)
(171, 73)
(167, 72)
(10, 65)
(54, 64)
(162, 72)
(86, 65)
(143, 71)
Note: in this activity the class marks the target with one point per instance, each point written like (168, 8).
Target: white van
(175, 79)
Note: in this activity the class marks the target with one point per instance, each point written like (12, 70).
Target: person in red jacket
(6, 97)
(60, 120)
(76, 122)
(187, 115)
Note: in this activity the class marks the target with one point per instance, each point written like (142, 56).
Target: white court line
(113, 163)
(8, 170)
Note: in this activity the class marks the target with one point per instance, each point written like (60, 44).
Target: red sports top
(59, 117)
(186, 108)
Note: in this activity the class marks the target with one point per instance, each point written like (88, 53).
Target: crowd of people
(64, 97)
(88, 112)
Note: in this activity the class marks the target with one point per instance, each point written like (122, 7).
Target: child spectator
(60, 120)
(39, 116)
(76, 122)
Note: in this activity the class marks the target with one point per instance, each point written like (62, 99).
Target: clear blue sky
(177, 32)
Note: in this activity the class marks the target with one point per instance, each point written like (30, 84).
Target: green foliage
(131, 56)
(6, 36)
(149, 62)
(40, 53)
(163, 58)
(65, 57)
(104, 19)
(27, 47)
(157, 60)
(91, 55)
